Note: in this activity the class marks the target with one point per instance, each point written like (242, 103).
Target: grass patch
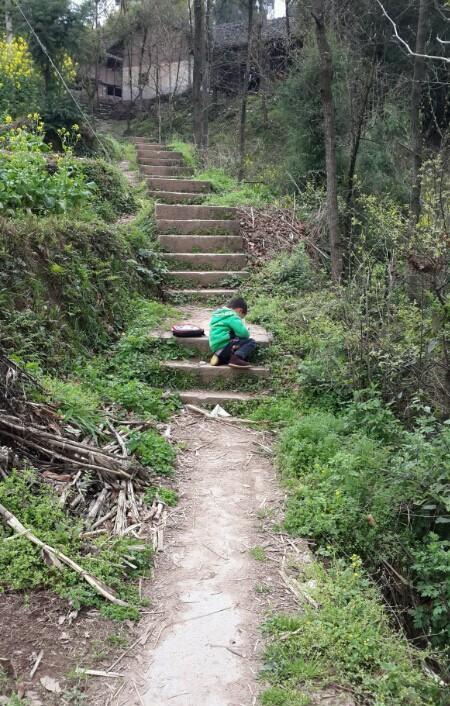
(21, 563)
(348, 641)
(153, 451)
(187, 150)
(258, 553)
(167, 495)
(228, 191)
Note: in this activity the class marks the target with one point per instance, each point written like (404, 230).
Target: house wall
(164, 64)
(169, 77)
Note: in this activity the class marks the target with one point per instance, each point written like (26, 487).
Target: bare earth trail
(204, 648)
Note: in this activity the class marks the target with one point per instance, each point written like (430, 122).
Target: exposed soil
(203, 645)
(35, 621)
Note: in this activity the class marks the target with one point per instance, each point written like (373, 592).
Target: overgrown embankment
(80, 265)
(67, 277)
(365, 471)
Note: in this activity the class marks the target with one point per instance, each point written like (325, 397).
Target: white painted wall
(173, 77)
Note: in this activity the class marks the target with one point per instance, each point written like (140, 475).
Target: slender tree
(419, 74)
(326, 91)
(244, 99)
(198, 83)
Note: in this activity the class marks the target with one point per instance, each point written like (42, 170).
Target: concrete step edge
(217, 397)
(201, 291)
(200, 366)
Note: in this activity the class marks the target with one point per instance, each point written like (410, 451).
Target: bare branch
(405, 43)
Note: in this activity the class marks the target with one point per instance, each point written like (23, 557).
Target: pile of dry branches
(269, 231)
(101, 484)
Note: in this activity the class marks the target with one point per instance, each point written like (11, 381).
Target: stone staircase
(206, 259)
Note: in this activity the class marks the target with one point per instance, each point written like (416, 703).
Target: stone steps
(204, 244)
(208, 373)
(201, 243)
(197, 227)
(153, 162)
(159, 170)
(145, 141)
(193, 295)
(177, 197)
(144, 153)
(205, 277)
(171, 184)
(216, 261)
(201, 213)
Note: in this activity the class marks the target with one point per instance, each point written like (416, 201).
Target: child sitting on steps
(229, 338)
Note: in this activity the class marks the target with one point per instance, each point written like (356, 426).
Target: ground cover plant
(22, 568)
(32, 180)
(347, 643)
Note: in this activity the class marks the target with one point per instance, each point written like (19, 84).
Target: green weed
(153, 451)
(258, 553)
(347, 641)
(167, 495)
(229, 192)
(15, 700)
(117, 640)
(21, 565)
(77, 404)
(187, 150)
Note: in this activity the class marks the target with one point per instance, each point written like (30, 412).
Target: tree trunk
(288, 21)
(8, 22)
(207, 73)
(199, 71)
(326, 90)
(356, 141)
(416, 118)
(243, 121)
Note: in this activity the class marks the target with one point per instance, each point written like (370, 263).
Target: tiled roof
(234, 34)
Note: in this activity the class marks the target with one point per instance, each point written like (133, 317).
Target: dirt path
(204, 647)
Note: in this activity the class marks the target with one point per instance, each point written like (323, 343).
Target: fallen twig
(17, 526)
(36, 664)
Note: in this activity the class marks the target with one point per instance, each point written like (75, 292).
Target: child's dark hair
(238, 303)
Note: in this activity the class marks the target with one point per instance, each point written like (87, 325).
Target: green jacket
(224, 325)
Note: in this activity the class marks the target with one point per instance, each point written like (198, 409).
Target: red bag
(187, 331)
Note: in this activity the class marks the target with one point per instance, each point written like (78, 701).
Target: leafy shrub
(21, 564)
(29, 182)
(431, 575)
(346, 641)
(385, 503)
(288, 275)
(313, 439)
(153, 451)
(167, 495)
(112, 196)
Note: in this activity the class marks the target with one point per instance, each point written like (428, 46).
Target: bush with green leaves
(21, 565)
(347, 641)
(360, 484)
(166, 495)
(111, 195)
(153, 451)
(34, 181)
